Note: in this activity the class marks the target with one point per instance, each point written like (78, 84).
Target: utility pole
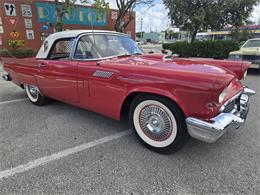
(141, 30)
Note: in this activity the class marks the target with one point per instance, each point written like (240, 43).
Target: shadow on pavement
(254, 71)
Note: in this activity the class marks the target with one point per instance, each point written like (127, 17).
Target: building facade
(154, 37)
(225, 34)
(29, 22)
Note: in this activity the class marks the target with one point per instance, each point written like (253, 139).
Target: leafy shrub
(18, 53)
(218, 49)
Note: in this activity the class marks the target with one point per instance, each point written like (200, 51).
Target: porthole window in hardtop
(46, 46)
(61, 49)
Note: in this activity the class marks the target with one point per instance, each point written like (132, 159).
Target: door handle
(41, 64)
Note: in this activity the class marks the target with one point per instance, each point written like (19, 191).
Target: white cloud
(112, 4)
(154, 18)
(256, 14)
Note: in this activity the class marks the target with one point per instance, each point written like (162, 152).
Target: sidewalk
(1, 67)
(156, 48)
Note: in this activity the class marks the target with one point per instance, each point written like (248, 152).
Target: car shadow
(252, 71)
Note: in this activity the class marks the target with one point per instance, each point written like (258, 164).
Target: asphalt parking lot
(61, 149)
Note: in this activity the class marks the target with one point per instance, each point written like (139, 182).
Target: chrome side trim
(210, 131)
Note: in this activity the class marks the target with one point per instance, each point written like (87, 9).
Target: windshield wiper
(137, 54)
(128, 55)
(124, 55)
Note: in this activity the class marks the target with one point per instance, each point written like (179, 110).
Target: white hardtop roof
(47, 44)
(255, 39)
(75, 33)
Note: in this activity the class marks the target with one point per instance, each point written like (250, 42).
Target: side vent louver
(102, 74)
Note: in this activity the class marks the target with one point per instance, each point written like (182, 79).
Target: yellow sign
(14, 34)
(16, 43)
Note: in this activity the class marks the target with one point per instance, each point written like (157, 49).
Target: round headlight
(235, 57)
(245, 74)
(222, 95)
(238, 57)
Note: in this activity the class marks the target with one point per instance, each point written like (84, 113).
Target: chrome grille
(232, 105)
(251, 57)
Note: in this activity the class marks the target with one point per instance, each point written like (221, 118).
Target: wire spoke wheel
(32, 92)
(155, 123)
(34, 95)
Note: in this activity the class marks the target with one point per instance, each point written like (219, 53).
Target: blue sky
(156, 18)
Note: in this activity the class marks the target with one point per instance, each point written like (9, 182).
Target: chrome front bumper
(213, 130)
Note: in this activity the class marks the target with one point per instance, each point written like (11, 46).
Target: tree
(238, 12)
(170, 34)
(125, 12)
(196, 15)
(140, 34)
(242, 36)
(66, 7)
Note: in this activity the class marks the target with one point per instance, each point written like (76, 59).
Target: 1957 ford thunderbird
(167, 99)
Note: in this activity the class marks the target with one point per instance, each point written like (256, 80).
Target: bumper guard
(211, 131)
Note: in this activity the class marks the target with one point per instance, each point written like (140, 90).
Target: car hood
(158, 62)
(247, 51)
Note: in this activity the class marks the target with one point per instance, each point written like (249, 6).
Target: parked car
(166, 99)
(250, 51)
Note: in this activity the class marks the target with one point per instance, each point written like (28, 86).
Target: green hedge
(18, 53)
(207, 49)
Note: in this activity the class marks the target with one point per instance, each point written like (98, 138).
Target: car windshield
(253, 43)
(102, 45)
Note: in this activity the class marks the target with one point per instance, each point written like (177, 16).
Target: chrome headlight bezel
(235, 57)
(222, 95)
(245, 74)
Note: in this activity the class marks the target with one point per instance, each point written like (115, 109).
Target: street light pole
(141, 30)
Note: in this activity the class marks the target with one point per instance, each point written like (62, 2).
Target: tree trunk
(118, 25)
(59, 24)
(60, 10)
(194, 33)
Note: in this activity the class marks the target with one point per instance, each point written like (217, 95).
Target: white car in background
(250, 51)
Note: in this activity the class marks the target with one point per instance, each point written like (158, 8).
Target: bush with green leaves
(218, 49)
(18, 53)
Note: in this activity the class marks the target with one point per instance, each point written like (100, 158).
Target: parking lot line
(13, 101)
(61, 154)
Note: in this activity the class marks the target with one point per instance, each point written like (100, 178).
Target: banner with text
(79, 15)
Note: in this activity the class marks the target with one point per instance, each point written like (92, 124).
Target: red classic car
(167, 99)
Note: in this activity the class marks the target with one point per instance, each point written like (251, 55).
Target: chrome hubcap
(34, 92)
(155, 123)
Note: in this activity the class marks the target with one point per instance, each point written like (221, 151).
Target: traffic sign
(10, 9)
(12, 21)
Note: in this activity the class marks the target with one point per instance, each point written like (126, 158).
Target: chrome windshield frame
(72, 54)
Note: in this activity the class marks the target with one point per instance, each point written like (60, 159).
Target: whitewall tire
(34, 95)
(158, 122)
